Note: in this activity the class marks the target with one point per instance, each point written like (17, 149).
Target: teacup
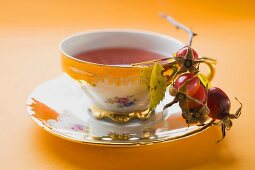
(114, 90)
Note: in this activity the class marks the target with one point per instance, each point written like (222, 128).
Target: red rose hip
(183, 52)
(218, 103)
(192, 86)
(200, 95)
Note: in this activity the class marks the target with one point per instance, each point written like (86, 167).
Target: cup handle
(211, 64)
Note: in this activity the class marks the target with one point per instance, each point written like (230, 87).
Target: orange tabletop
(29, 35)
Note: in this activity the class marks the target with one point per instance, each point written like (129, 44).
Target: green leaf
(204, 80)
(157, 86)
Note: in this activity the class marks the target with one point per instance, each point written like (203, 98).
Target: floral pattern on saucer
(122, 102)
(67, 122)
(52, 119)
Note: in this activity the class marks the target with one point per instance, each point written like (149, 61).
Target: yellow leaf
(146, 76)
(157, 86)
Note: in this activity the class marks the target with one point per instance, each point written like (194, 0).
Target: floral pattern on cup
(122, 102)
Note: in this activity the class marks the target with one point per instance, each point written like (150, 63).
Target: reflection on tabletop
(181, 154)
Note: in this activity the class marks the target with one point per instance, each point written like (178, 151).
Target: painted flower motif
(77, 128)
(122, 101)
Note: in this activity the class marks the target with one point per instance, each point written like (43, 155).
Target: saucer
(61, 107)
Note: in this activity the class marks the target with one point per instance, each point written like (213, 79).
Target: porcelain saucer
(60, 107)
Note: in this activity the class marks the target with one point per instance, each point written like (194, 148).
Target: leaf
(157, 86)
(204, 80)
(146, 76)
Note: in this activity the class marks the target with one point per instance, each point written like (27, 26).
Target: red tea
(118, 56)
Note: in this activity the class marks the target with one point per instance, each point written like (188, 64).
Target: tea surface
(118, 56)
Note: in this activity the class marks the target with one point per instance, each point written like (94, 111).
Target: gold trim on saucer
(119, 117)
(146, 134)
(115, 136)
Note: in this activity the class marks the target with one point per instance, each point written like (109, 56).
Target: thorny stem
(179, 26)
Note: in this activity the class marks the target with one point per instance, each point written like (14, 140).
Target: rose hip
(218, 103)
(183, 53)
(192, 86)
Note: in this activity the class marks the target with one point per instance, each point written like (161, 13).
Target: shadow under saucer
(195, 151)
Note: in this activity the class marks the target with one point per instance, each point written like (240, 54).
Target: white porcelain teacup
(113, 89)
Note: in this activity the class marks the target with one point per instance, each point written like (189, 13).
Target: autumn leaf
(146, 76)
(152, 78)
(157, 86)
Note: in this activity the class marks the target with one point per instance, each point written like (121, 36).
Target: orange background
(29, 35)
